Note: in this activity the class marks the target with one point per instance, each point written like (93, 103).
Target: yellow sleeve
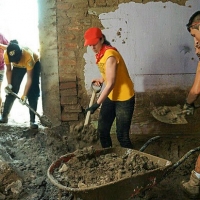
(6, 60)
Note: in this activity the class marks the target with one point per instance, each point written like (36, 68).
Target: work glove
(23, 99)
(188, 109)
(93, 108)
(8, 89)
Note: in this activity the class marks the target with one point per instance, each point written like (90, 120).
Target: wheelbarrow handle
(179, 162)
(148, 142)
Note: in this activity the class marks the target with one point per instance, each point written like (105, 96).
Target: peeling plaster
(98, 10)
(154, 42)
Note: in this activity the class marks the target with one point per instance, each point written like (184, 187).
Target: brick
(62, 23)
(74, 28)
(67, 85)
(65, 42)
(69, 54)
(68, 77)
(80, 4)
(101, 3)
(72, 108)
(64, 61)
(63, 6)
(69, 116)
(67, 69)
(77, 1)
(75, 13)
(112, 2)
(91, 3)
(71, 45)
(69, 100)
(68, 92)
(66, 37)
(64, 1)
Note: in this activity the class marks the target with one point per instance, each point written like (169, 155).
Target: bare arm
(9, 73)
(111, 69)
(195, 90)
(3, 46)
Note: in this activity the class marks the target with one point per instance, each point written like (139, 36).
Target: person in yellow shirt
(117, 99)
(20, 61)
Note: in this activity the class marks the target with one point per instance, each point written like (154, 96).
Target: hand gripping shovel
(43, 119)
(95, 89)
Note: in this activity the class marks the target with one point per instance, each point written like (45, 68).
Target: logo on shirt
(12, 53)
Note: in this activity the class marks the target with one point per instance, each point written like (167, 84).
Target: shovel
(95, 89)
(83, 131)
(43, 119)
(171, 114)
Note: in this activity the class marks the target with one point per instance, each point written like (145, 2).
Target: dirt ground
(29, 153)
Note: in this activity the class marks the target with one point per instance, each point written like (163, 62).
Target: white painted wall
(154, 42)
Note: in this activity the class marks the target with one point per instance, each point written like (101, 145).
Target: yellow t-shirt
(124, 88)
(28, 59)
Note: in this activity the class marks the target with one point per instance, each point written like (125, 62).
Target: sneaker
(33, 125)
(3, 119)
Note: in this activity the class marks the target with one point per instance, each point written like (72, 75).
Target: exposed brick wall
(72, 21)
(73, 18)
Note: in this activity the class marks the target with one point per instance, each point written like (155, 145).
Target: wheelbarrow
(132, 186)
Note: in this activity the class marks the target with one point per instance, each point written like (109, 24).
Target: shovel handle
(90, 104)
(14, 94)
(43, 119)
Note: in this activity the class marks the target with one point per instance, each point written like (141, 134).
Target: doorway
(19, 20)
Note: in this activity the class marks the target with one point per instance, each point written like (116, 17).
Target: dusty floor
(30, 153)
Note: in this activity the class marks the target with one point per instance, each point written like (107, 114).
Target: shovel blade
(45, 121)
(169, 115)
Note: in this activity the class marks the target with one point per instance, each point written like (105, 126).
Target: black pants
(122, 111)
(33, 94)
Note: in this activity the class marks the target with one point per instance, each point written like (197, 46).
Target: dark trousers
(33, 94)
(122, 111)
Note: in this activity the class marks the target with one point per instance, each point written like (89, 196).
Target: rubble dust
(25, 156)
(86, 169)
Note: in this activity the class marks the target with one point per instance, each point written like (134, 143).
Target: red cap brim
(91, 41)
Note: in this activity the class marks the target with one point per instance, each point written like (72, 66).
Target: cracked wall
(160, 57)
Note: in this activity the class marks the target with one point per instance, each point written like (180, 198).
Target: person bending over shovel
(20, 61)
(193, 185)
(117, 99)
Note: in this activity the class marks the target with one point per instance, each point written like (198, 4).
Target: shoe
(33, 125)
(3, 119)
(191, 188)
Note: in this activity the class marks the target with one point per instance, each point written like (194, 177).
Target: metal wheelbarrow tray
(124, 188)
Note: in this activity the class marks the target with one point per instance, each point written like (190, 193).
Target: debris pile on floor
(86, 169)
(9, 179)
(83, 135)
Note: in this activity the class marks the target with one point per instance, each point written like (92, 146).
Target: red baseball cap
(92, 36)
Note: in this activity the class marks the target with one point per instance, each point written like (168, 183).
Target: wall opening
(19, 20)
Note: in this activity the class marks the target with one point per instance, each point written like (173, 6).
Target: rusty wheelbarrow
(132, 186)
